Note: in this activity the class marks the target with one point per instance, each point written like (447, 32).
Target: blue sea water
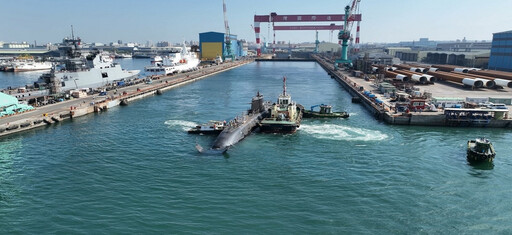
(134, 169)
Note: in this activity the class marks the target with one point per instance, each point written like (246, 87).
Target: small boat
(325, 112)
(480, 150)
(212, 127)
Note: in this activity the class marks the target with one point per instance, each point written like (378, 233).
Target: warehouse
(501, 52)
(211, 45)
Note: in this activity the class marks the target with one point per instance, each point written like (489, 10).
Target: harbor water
(134, 169)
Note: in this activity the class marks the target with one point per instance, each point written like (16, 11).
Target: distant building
(478, 59)
(243, 48)
(16, 45)
(422, 43)
(393, 50)
(501, 51)
(329, 47)
(463, 46)
(163, 44)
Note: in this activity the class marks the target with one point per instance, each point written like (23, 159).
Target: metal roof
(510, 31)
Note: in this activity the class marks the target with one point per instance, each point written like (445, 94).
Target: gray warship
(78, 71)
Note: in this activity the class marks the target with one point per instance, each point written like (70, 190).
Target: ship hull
(474, 156)
(278, 128)
(92, 78)
(310, 114)
(28, 70)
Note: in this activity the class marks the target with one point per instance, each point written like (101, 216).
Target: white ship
(183, 61)
(78, 72)
(29, 65)
(24, 63)
(122, 55)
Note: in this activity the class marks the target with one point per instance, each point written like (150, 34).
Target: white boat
(218, 60)
(30, 65)
(78, 72)
(183, 61)
(122, 55)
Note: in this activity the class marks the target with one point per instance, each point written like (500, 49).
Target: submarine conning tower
(257, 104)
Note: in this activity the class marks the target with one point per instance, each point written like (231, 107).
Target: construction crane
(344, 34)
(316, 42)
(228, 53)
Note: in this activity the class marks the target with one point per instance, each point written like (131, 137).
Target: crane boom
(228, 53)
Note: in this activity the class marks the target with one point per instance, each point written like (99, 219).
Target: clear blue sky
(173, 20)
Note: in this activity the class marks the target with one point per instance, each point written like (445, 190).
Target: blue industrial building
(501, 52)
(211, 45)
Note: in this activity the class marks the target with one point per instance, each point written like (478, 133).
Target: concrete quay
(356, 86)
(49, 114)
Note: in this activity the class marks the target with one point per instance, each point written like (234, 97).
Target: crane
(228, 53)
(316, 42)
(344, 34)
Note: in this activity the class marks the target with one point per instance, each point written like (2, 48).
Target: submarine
(240, 127)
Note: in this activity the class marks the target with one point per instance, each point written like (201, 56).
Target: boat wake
(200, 149)
(185, 125)
(338, 132)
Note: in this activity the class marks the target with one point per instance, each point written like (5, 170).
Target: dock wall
(414, 119)
(34, 121)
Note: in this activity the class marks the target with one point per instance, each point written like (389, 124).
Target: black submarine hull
(231, 136)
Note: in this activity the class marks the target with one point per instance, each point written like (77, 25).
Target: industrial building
(211, 45)
(469, 58)
(463, 46)
(243, 48)
(501, 52)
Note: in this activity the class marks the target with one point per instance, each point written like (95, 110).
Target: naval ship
(78, 71)
(285, 115)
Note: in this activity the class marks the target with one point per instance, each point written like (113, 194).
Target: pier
(382, 110)
(49, 114)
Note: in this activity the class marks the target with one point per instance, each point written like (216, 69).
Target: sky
(174, 21)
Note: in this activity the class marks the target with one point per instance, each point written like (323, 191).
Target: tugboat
(480, 150)
(325, 112)
(212, 127)
(285, 115)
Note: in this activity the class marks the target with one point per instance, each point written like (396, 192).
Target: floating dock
(50, 114)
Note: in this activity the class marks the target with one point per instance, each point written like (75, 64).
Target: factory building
(234, 47)
(243, 48)
(211, 45)
(501, 52)
(463, 46)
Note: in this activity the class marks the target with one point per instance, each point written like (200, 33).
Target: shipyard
(222, 116)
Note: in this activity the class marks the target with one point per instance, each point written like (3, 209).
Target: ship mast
(284, 85)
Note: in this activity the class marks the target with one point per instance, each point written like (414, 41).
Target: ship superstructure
(78, 71)
(285, 115)
(183, 61)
